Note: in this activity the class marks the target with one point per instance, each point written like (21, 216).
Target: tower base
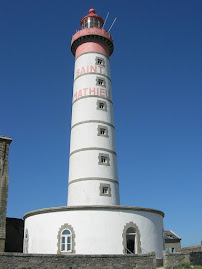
(95, 230)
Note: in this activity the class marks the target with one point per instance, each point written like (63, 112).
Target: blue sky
(156, 82)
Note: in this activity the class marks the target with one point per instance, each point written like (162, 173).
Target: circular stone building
(93, 222)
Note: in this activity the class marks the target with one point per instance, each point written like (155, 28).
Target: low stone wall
(171, 260)
(196, 258)
(32, 261)
(175, 259)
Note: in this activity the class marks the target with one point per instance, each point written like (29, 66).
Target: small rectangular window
(101, 105)
(100, 82)
(102, 131)
(99, 61)
(103, 159)
(105, 189)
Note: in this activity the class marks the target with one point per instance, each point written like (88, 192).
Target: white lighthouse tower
(93, 222)
(93, 173)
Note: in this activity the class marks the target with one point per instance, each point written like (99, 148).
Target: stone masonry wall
(196, 258)
(176, 259)
(4, 180)
(32, 261)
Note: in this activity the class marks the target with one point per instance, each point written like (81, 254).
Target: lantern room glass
(91, 22)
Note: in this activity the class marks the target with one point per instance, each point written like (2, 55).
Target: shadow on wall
(14, 235)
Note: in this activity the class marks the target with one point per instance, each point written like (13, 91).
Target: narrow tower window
(100, 82)
(103, 159)
(99, 61)
(102, 131)
(105, 190)
(101, 105)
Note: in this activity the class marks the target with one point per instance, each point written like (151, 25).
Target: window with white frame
(66, 241)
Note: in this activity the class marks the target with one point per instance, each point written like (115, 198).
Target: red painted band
(92, 46)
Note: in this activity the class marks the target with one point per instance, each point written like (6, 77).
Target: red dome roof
(92, 15)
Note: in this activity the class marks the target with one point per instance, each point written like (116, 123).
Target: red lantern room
(92, 20)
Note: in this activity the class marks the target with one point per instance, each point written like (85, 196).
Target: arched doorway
(130, 240)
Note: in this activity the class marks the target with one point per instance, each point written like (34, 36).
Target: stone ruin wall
(4, 181)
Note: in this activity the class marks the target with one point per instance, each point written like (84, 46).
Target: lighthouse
(93, 222)
(93, 173)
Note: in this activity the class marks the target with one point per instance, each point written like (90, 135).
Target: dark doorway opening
(130, 240)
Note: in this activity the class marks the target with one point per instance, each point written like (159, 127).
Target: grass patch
(187, 267)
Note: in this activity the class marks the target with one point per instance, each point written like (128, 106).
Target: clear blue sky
(156, 81)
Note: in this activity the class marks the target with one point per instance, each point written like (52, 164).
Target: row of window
(103, 131)
(66, 235)
(66, 241)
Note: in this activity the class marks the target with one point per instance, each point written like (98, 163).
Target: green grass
(187, 267)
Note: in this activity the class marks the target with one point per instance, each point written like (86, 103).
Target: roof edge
(91, 207)
(5, 138)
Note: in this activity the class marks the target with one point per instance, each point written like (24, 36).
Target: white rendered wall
(96, 231)
(89, 135)
(86, 174)
(80, 113)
